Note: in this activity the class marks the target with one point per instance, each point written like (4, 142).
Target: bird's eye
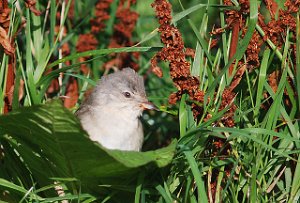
(127, 94)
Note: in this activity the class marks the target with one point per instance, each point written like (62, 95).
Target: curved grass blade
(202, 197)
(101, 52)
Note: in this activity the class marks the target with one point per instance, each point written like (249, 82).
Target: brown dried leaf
(237, 78)
(71, 93)
(5, 42)
(31, 5)
(157, 71)
(10, 79)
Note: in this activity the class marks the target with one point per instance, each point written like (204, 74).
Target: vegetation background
(225, 75)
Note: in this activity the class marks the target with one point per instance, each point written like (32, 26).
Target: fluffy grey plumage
(111, 113)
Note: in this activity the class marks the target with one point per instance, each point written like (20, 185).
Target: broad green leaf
(52, 143)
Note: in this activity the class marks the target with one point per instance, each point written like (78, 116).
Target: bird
(111, 113)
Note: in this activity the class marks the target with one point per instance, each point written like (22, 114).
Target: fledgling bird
(111, 113)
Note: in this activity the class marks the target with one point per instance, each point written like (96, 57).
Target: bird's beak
(148, 105)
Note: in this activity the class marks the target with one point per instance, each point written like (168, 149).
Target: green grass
(258, 158)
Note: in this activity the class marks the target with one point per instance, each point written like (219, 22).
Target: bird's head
(124, 90)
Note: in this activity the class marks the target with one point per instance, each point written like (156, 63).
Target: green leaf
(192, 9)
(261, 80)
(294, 194)
(29, 63)
(102, 52)
(298, 58)
(52, 144)
(8, 185)
(183, 115)
(202, 197)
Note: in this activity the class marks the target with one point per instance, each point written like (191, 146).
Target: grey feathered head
(125, 80)
(125, 87)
